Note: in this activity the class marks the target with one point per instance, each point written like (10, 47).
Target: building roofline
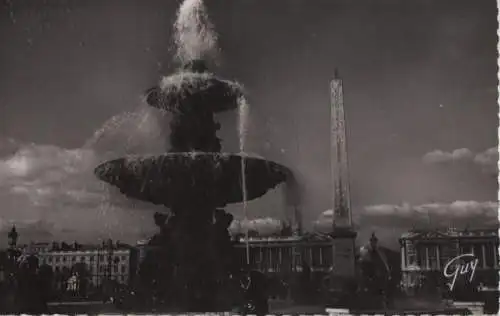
(464, 233)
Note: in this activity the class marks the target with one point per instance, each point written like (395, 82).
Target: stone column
(427, 265)
(438, 257)
(261, 257)
(280, 252)
(483, 252)
(495, 254)
(269, 257)
(320, 255)
(403, 257)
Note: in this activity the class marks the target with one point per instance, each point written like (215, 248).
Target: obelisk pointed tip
(336, 74)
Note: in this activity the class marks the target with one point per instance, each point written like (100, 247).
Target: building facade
(276, 255)
(100, 263)
(426, 253)
(282, 255)
(36, 247)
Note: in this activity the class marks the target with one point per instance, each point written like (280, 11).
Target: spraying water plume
(242, 131)
(196, 44)
(195, 37)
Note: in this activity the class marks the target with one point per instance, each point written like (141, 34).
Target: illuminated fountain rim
(174, 90)
(174, 179)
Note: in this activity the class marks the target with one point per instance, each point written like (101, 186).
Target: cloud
(390, 221)
(439, 156)
(56, 186)
(487, 160)
(324, 221)
(31, 162)
(264, 226)
(457, 209)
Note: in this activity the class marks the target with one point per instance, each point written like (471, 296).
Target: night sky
(420, 85)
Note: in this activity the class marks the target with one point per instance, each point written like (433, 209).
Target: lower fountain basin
(179, 179)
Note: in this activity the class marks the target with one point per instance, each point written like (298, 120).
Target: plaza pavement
(401, 307)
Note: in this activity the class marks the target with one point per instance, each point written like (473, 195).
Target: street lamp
(12, 238)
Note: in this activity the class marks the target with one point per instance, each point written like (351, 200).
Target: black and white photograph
(249, 157)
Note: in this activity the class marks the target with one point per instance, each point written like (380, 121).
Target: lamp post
(12, 239)
(13, 236)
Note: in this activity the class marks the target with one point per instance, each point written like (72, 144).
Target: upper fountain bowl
(193, 86)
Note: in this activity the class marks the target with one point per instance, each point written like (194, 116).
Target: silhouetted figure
(81, 271)
(222, 239)
(375, 272)
(31, 297)
(160, 219)
(46, 278)
(305, 282)
(286, 230)
(148, 272)
(254, 286)
(157, 280)
(7, 285)
(13, 236)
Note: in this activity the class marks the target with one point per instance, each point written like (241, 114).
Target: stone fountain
(194, 179)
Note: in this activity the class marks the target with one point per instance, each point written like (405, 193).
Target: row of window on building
(123, 269)
(435, 257)
(97, 263)
(286, 257)
(50, 258)
(433, 250)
